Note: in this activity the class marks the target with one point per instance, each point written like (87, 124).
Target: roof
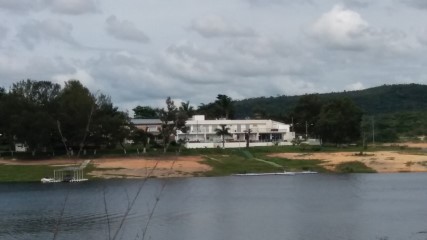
(68, 169)
(137, 121)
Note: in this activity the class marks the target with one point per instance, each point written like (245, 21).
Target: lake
(319, 206)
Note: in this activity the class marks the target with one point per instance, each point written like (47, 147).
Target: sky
(141, 51)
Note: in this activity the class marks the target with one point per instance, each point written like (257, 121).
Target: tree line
(47, 117)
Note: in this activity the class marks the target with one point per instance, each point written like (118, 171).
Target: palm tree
(248, 137)
(225, 104)
(187, 109)
(223, 131)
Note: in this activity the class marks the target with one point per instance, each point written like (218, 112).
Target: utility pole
(306, 130)
(373, 132)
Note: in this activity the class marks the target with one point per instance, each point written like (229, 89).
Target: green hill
(373, 101)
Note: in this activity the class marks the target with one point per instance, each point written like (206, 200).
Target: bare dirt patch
(159, 167)
(383, 161)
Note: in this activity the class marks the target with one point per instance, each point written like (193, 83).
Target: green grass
(27, 173)
(33, 173)
(248, 161)
(353, 167)
(224, 165)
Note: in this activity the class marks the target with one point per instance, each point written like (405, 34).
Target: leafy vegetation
(398, 110)
(26, 173)
(353, 167)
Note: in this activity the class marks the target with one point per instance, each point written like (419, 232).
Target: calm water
(334, 207)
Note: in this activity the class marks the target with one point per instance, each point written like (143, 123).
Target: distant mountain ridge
(377, 100)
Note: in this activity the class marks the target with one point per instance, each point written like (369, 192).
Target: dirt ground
(146, 167)
(130, 167)
(184, 166)
(382, 162)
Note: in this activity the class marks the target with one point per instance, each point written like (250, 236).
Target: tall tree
(186, 109)
(110, 126)
(29, 112)
(223, 131)
(145, 112)
(225, 104)
(340, 121)
(306, 113)
(171, 122)
(76, 106)
(139, 136)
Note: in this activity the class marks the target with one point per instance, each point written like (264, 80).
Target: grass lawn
(353, 167)
(18, 173)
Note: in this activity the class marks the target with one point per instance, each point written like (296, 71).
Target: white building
(201, 133)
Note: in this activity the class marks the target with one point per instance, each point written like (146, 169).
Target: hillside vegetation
(373, 101)
(395, 111)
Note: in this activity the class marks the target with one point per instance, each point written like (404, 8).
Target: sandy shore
(131, 167)
(149, 167)
(382, 162)
(185, 166)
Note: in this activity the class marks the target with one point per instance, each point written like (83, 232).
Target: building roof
(137, 121)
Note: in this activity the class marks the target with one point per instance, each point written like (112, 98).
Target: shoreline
(224, 163)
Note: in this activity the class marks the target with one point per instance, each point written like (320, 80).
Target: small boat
(277, 173)
(306, 172)
(265, 174)
(48, 180)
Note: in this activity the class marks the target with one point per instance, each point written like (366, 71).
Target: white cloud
(78, 74)
(355, 86)
(35, 32)
(125, 30)
(344, 29)
(73, 7)
(213, 26)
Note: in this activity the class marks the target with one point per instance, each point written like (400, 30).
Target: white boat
(306, 172)
(48, 180)
(264, 174)
(276, 173)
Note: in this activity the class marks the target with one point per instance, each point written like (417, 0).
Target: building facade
(202, 133)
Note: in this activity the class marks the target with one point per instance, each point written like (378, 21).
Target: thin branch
(144, 232)
(106, 213)
(87, 125)
(62, 137)
(133, 202)
(55, 233)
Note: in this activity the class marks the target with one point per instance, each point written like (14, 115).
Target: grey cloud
(277, 2)
(73, 7)
(129, 77)
(213, 26)
(357, 3)
(125, 30)
(35, 32)
(3, 32)
(69, 7)
(416, 3)
(22, 5)
(15, 68)
(233, 61)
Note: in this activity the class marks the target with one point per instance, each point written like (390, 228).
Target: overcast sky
(141, 51)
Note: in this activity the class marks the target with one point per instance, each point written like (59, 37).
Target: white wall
(234, 144)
